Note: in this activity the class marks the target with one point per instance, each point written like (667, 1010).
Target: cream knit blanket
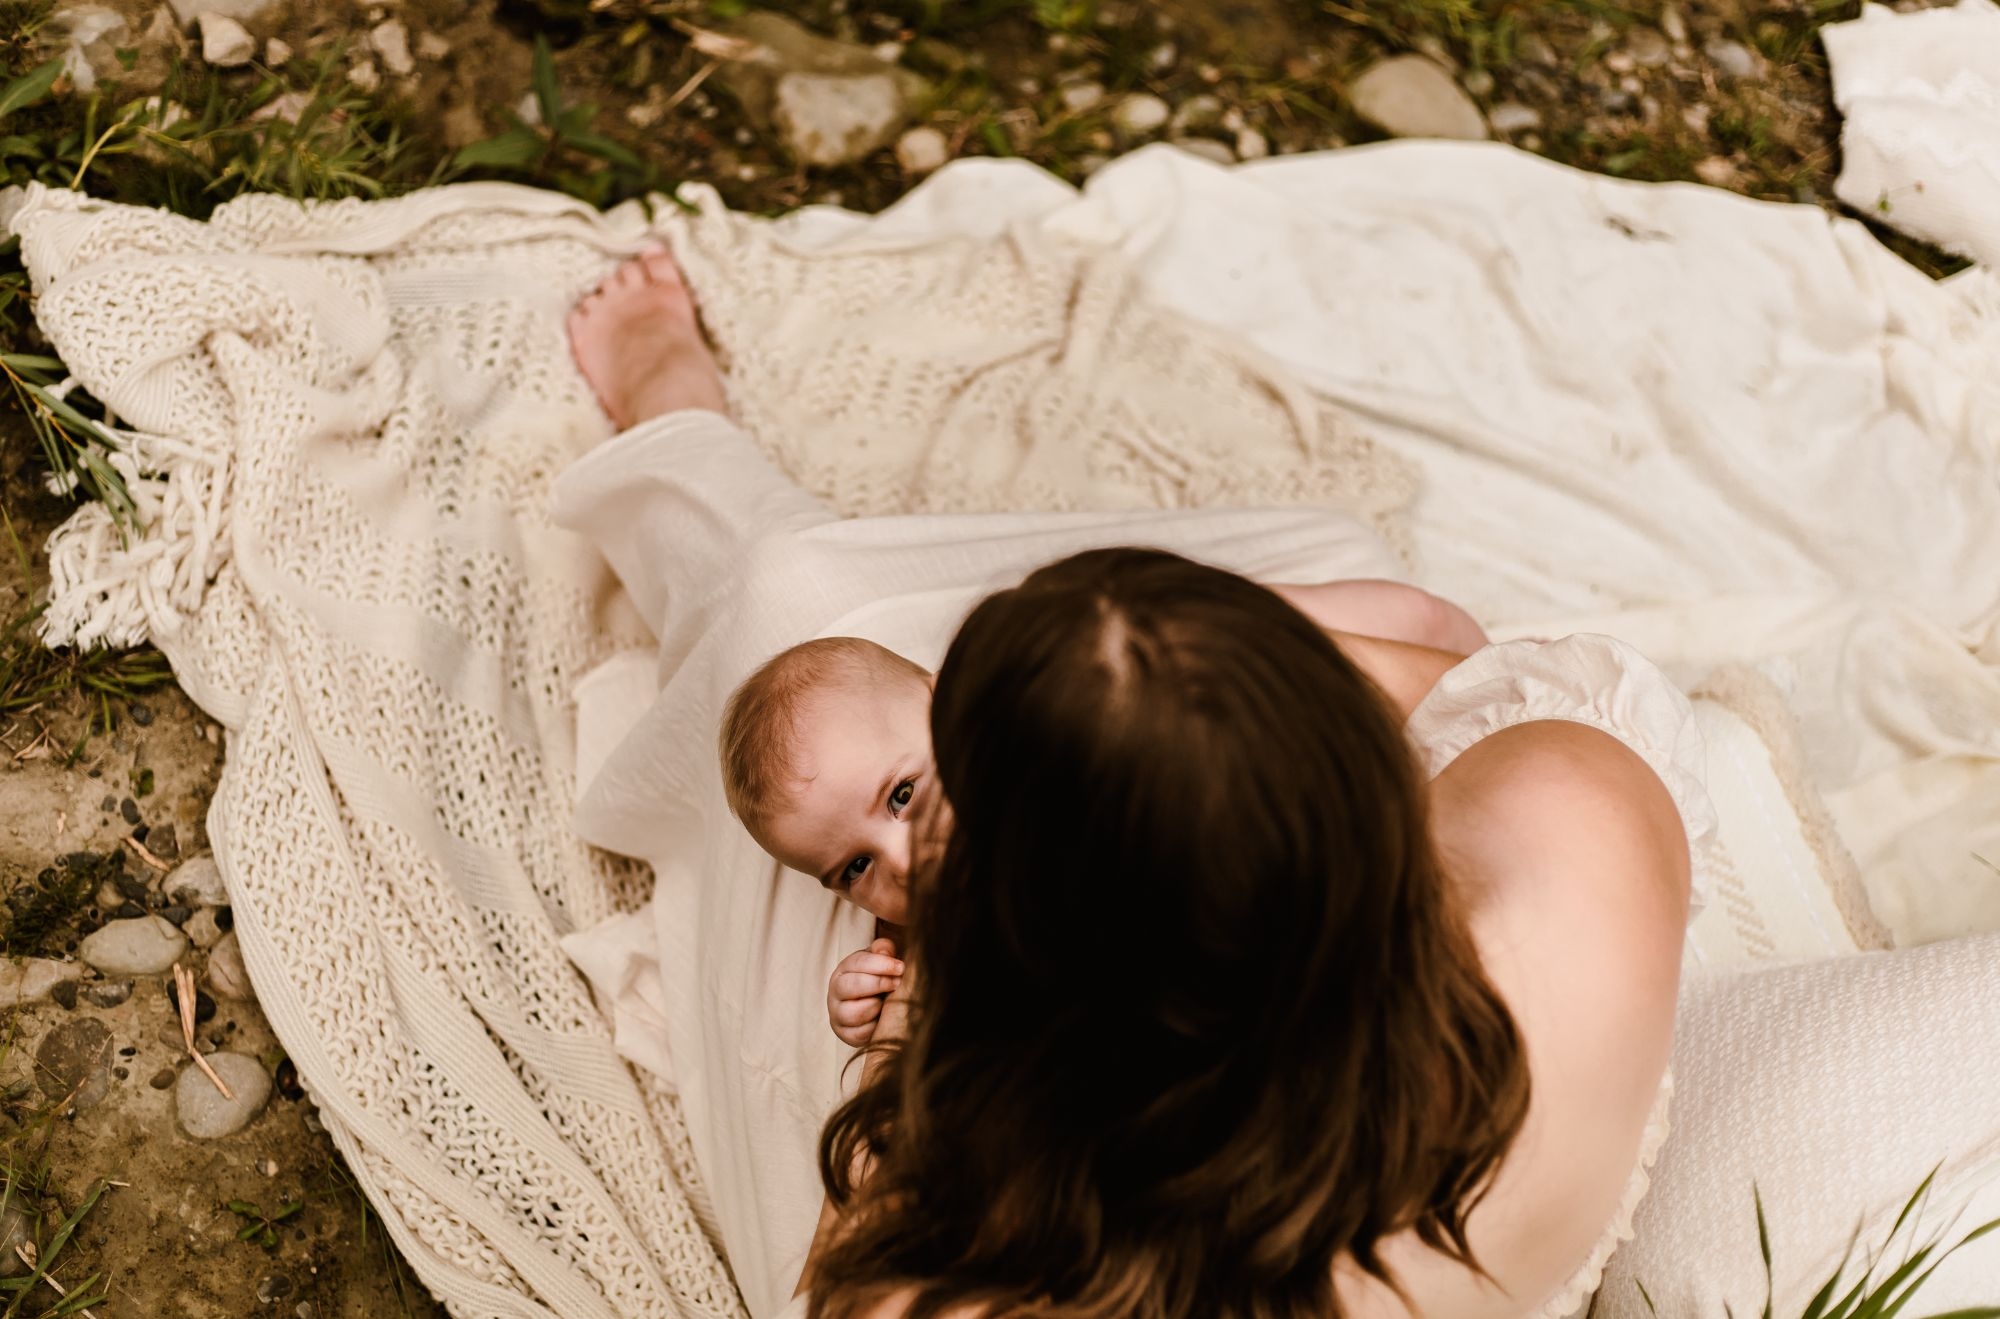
(340, 425)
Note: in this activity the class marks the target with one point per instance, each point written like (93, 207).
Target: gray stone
(243, 11)
(832, 102)
(391, 41)
(922, 150)
(89, 36)
(1252, 145)
(1410, 96)
(1195, 115)
(73, 1063)
(201, 1109)
(1648, 48)
(33, 979)
(198, 883)
(1478, 82)
(1080, 96)
(1140, 114)
(203, 929)
(16, 1229)
(108, 993)
(277, 52)
(227, 975)
(1733, 59)
(140, 946)
(834, 119)
(1511, 117)
(225, 43)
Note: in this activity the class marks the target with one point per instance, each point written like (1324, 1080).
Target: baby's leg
(1389, 610)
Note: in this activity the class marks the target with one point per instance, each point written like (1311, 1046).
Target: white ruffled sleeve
(1585, 679)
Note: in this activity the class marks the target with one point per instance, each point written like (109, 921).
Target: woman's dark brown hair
(1198, 1012)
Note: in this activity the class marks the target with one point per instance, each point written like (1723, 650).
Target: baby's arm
(854, 995)
(1389, 610)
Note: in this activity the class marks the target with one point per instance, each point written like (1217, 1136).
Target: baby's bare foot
(639, 344)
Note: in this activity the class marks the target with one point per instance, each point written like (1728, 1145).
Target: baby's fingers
(854, 984)
(851, 1012)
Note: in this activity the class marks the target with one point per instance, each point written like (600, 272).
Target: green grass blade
(30, 87)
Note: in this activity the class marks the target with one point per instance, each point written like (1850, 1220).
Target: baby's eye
(856, 869)
(900, 798)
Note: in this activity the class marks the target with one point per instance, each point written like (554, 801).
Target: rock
(201, 1109)
(1163, 57)
(134, 888)
(73, 1063)
(1409, 96)
(1078, 97)
(1696, 118)
(276, 53)
(189, 12)
(197, 882)
(34, 979)
(128, 808)
(391, 41)
(89, 36)
(1478, 82)
(1648, 48)
(204, 1006)
(162, 1079)
(225, 43)
(202, 929)
(1673, 25)
(139, 946)
(831, 101)
(922, 150)
(1716, 171)
(1140, 114)
(63, 994)
(1208, 149)
(1733, 59)
(365, 75)
(1512, 117)
(226, 973)
(163, 842)
(272, 1287)
(832, 119)
(1194, 115)
(16, 1230)
(1620, 61)
(108, 993)
(1252, 145)
(431, 46)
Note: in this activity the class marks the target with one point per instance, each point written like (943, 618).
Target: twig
(26, 1250)
(688, 87)
(146, 856)
(184, 982)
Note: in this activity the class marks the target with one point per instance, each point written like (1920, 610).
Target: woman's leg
(1832, 1088)
(639, 344)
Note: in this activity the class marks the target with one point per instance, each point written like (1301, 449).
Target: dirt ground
(1726, 92)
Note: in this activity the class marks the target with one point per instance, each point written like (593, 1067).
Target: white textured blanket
(346, 421)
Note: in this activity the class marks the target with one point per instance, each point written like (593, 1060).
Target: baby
(826, 750)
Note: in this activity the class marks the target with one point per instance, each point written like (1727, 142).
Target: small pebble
(1648, 48)
(143, 945)
(176, 913)
(918, 151)
(1163, 56)
(1512, 117)
(432, 46)
(110, 804)
(268, 1167)
(109, 994)
(129, 910)
(1252, 145)
(1080, 96)
(272, 1287)
(121, 1073)
(202, 929)
(133, 887)
(1195, 114)
(162, 1078)
(1716, 171)
(225, 919)
(366, 76)
(225, 43)
(1696, 118)
(1673, 25)
(391, 41)
(64, 994)
(108, 896)
(204, 1006)
(226, 973)
(276, 52)
(1479, 82)
(1140, 114)
(197, 882)
(142, 714)
(1733, 59)
(287, 1081)
(203, 1112)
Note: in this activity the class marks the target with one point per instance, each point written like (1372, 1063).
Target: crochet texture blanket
(339, 424)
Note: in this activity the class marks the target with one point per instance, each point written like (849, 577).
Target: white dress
(1608, 685)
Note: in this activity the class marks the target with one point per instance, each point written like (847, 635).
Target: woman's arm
(1392, 611)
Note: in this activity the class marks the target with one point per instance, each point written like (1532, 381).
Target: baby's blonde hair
(760, 725)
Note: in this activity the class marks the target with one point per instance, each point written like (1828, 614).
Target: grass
(29, 1187)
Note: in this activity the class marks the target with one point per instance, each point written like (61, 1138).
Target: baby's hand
(860, 983)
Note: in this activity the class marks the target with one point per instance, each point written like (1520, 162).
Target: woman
(1233, 1005)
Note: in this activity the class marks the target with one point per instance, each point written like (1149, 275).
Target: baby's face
(863, 762)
